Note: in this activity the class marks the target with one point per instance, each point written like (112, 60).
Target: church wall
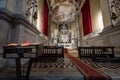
(15, 33)
(11, 4)
(19, 9)
(97, 21)
(2, 4)
(14, 28)
(4, 33)
(96, 16)
(23, 34)
(26, 35)
(110, 35)
(105, 12)
(4, 28)
(7, 6)
(40, 15)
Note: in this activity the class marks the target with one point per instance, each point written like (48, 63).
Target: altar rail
(95, 52)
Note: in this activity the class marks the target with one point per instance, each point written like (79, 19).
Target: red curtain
(86, 16)
(45, 19)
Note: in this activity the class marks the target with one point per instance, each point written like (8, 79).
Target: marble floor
(111, 69)
(62, 69)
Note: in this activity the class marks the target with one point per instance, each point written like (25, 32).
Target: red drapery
(86, 16)
(45, 19)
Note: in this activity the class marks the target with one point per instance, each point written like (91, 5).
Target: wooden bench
(60, 52)
(96, 52)
(85, 52)
(101, 52)
(51, 53)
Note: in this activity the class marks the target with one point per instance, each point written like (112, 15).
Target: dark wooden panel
(29, 51)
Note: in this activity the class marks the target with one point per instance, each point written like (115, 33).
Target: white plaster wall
(105, 12)
(40, 15)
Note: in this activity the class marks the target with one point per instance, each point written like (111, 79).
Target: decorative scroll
(115, 11)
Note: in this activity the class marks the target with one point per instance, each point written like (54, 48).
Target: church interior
(59, 39)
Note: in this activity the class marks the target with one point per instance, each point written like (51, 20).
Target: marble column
(78, 30)
(49, 27)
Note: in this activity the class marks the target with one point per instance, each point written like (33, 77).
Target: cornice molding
(110, 29)
(17, 19)
(6, 15)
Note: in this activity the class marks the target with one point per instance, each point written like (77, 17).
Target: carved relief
(31, 10)
(115, 11)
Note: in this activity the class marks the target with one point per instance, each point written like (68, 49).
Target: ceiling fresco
(64, 10)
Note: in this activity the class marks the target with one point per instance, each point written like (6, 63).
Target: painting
(64, 10)
(115, 11)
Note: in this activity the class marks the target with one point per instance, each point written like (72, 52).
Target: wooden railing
(85, 52)
(102, 52)
(51, 53)
(96, 52)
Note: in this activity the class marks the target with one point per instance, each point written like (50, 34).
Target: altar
(66, 45)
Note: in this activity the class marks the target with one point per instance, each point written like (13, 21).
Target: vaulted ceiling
(64, 10)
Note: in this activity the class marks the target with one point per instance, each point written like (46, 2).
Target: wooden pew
(85, 52)
(51, 53)
(102, 52)
(60, 52)
(97, 52)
